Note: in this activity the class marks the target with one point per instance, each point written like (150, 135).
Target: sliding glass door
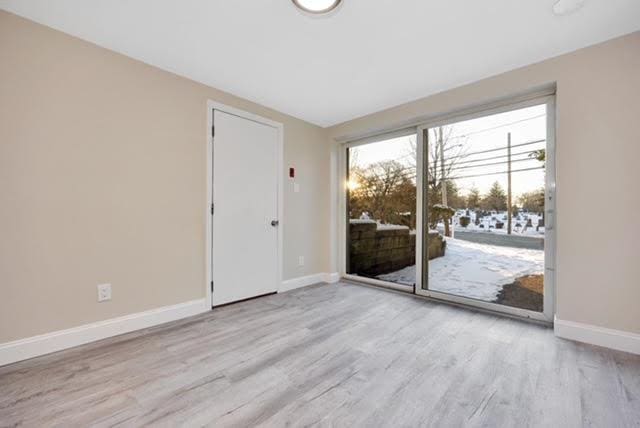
(487, 207)
(381, 210)
(458, 209)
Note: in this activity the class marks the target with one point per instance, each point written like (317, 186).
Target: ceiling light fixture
(317, 7)
(566, 7)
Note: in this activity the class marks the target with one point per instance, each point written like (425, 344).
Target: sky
(472, 136)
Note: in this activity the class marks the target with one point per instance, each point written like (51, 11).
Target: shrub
(440, 212)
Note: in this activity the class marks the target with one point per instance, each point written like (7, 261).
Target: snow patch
(391, 227)
(361, 221)
(473, 270)
(380, 226)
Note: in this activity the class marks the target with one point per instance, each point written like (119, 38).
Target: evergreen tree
(454, 200)
(533, 201)
(496, 199)
(473, 199)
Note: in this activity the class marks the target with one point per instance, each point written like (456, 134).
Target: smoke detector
(567, 7)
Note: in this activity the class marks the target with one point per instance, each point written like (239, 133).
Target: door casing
(211, 106)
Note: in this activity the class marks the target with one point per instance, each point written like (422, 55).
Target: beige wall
(598, 171)
(103, 169)
(103, 179)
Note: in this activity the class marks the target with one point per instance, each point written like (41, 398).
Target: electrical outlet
(104, 292)
(300, 260)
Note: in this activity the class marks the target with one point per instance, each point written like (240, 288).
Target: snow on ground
(474, 270)
(380, 226)
(391, 227)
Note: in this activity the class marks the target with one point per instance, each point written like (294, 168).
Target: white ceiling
(367, 56)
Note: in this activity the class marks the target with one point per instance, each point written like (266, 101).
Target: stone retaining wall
(379, 249)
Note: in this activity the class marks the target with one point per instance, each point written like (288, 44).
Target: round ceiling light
(317, 6)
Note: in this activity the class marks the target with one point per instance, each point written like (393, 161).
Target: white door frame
(550, 207)
(214, 105)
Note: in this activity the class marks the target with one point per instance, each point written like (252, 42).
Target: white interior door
(245, 197)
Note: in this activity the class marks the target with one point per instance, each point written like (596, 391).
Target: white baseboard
(304, 281)
(600, 336)
(331, 278)
(30, 347)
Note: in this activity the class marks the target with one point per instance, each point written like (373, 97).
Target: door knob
(275, 223)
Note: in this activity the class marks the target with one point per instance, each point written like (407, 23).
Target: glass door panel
(484, 208)
(381, 210)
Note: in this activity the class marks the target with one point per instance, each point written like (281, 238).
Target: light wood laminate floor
(329, 355)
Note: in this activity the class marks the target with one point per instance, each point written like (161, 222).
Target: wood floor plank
(329, 355)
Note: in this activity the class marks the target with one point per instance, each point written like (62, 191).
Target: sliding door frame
(343, 241)
(420, 130)
(550, 241)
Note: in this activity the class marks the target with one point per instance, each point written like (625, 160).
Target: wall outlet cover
(104, 292)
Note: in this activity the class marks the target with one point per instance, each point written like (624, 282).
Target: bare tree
(444, 151)
(385, 191)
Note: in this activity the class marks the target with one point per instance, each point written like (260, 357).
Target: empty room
(291, 213)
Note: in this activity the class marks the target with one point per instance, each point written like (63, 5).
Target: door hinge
(213, 131)
(212, 286)
(211, 209)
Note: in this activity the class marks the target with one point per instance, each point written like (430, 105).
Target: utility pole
(443, 182)
(509, 209)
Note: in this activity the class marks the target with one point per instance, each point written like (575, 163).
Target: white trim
(382, 137)
(446, 116)
(331, 278)
(35, 346)
(550, 230)
(420, 205)
(334, 203)
(378, 283)
(305, 281)
(487, 306)
(599, 336)
(213, 105)
(341, 212)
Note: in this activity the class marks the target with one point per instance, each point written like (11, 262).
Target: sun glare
(352, 184)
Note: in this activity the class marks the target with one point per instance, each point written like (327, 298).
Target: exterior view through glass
(484, 231)
(381, 210)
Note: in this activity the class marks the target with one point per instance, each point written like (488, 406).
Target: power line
(496, 173)
(492, 163)
(496, 127)
(411, 167)
(410, 175)
(496, 157)
(413, 175)
(464, 155)
(481, 131)
(438, 170)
